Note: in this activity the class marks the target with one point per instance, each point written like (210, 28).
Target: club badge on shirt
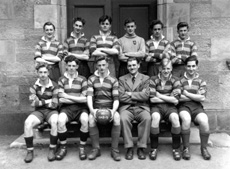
(134, 42)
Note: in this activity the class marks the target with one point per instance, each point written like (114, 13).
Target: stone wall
(209, 27)
(21, 23)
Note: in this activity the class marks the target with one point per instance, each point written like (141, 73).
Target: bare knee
(84, 119)
(155, 119)
(174, 119)
(186, 120)
(116, 119)
(92, 121)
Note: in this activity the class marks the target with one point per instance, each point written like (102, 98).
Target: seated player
(72, 95)
(103, 93)
(164, 95)
(191, 109)
(44, 97)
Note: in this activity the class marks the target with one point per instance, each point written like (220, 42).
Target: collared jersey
(181, 50)
(77, 45)
(104, 94)
(195, 86)
(162, 48)
(166, 88)
(55, 48)
(38, 97)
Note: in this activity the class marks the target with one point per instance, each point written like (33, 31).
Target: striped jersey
(78, 86)
(55, 48)
(155, 53)
(76, 45)
(181, 50)
(195, 85)
(99, 41)
(38, 96)
(156, 85)
(104, 94)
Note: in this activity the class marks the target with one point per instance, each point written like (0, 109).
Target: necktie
(133, 79)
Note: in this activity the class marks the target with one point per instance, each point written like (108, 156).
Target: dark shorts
(164, 109)
(44, 114)
(194, 108)
(73, 112)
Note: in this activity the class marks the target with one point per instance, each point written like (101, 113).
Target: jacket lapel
(129, 81)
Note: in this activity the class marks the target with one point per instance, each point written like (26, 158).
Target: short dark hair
(41, 65)
(191, 58)
(182, 24)
(48, 24)
(104, 18)
(156, 22)
(100, 58)
(129, 20)
(133, 58)
(71, 58)
(79, 19)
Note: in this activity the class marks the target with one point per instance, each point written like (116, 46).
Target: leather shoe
(51, 154)
(186, 154)
(61, 153)
(153, 154)
(94, 154)
(29, 156)
(141, 153)
(129, 154)
(176, 154)
(115, 155)
(206, 155)
(82, 153)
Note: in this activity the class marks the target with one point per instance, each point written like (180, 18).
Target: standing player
(181, 49)
(105, 44)
(131, 46)
(77, 45)
(72, 95)
(44, 97)
(190, 107)
(134, 96)
(164, 95)
(50, 51)
(103, 93)
(156, 48)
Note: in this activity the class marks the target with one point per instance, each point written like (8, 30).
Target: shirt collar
(159, 76)
(73, 35)
(50, 84)
(68, 77)
(196, 75)
(184, 40)
(135, 76)
(52, 40)
(154, 39)
(96, 73)
(104, 34)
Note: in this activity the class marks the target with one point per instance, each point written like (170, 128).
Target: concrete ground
(12, 158)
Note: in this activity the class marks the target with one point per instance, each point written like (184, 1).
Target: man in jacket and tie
(134, 96)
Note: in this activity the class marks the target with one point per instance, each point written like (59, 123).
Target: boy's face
(78, 26)
(157, 31)
(71, 67)
(102, 66)
(166, 70)
(105, 26)
(133, 67)
(43, 73)
(191, 68)
(49, 31)
(130, 28)
(183, 32)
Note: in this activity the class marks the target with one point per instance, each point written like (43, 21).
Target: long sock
(29, 142)
(115, 134)
(53, 141)
(185, 137)
(94, 136)
(83, 138)
(154, 137)
(204, 139)
(62, 137)
(176, 140)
